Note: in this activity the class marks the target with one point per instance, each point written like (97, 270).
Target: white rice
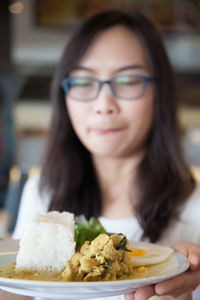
(47, 242)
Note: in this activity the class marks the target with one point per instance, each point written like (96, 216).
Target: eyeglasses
(124, 87)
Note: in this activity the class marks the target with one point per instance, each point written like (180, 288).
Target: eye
(80, 82)
(127, 80)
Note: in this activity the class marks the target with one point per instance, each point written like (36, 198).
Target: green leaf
(122, 244)
(107, 263)
(86, 230)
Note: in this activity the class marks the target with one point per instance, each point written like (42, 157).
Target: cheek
(140, 121)
(146, 115)
(77, 114)
(141, 114)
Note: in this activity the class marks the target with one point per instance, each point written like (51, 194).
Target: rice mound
(47, 242)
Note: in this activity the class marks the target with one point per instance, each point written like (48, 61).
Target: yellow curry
(105, 258)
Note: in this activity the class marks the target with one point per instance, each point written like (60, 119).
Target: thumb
(129, 296)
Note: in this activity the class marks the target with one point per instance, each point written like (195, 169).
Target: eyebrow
(136, 66)
(77, 68)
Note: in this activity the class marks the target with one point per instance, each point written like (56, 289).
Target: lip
(106, 131)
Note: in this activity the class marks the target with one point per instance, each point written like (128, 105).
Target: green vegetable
(122, 244)
(107, 263)
(87, 230)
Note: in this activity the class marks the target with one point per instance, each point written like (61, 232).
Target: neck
(117, 181)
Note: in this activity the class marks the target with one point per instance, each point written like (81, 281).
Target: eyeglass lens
(127, 87)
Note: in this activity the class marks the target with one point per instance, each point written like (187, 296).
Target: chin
(108, 154)
(116, 152)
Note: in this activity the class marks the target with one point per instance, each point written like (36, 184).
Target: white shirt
(186, 228)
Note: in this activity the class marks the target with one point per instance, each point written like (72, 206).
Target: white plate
(177, 264)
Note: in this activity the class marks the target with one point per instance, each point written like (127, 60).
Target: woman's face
(110, 127)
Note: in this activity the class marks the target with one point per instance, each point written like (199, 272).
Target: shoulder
(186, 226)
(189, 219)
(31, 194)
(32, 183)
(31, 202)
(191, 208)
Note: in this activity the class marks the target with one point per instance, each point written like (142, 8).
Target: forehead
(114, 48)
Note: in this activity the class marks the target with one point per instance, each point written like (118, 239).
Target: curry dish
(105, 258)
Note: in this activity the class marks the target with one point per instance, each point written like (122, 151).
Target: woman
(114, 149)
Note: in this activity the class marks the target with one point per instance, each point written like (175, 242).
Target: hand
(179, 285)
(9, 296)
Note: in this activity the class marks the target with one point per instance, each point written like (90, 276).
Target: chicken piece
(97, 274)
(88, 264)
(103, 259)
(68, 273)
(76, 258)
(85, 249)
(98, 244)
(109, 251)
(72, 268)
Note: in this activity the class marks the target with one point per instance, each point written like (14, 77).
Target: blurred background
(33, 34)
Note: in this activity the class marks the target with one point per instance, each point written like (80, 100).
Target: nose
(105, 103)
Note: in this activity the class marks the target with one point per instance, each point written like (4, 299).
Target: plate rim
(178, 270)
(66, 290)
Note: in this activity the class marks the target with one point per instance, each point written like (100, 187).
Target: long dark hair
(163, 179)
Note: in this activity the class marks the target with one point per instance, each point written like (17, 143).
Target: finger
(179, 285)
(129, 296)
(194, 260)
(191, 251)
(187, 248)
(181, 247)
(144, 293)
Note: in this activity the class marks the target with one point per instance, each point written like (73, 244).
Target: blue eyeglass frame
(66, 82)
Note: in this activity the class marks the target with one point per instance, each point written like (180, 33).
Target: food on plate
(86, 230)
(47, 243)
(58, 247)
(108, 257)
(105, 258)
(145, 255)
